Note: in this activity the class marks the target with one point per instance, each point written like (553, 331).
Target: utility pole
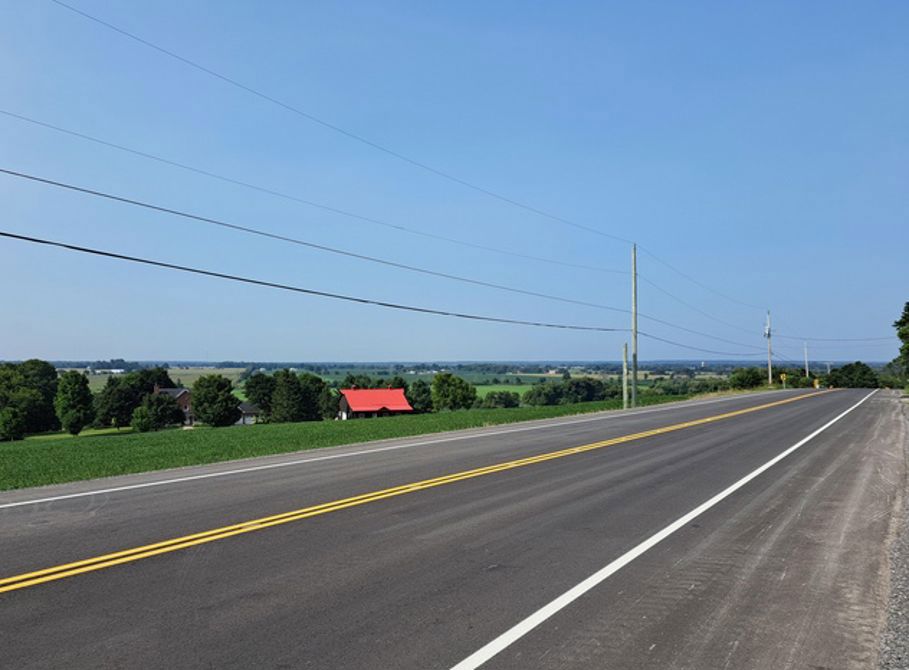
(625, 375)
(807, 373)
(634, 325)
(768, 333)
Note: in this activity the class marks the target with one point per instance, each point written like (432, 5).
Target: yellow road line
(176, 544)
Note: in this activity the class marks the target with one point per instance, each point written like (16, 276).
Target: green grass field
(482, 391)
(50, 461)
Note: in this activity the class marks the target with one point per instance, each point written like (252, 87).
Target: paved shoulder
(793, 573)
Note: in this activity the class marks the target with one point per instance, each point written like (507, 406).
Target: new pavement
(498, 525)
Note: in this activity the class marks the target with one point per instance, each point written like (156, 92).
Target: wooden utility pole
(634, 325)
(768, 333)
(625, 375)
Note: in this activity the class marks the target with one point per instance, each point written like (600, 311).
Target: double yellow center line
(176, 544)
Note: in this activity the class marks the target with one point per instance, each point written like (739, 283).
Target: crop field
(50, 461)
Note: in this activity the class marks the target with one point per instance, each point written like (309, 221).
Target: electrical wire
(373, 259)
(384, 149)
(692, 307)
(788, 361)
(833, 339)
(361, 217)
(298, 289)
(300, 242)
(685, 346)
(310, 203)
(692, 279)
(337, 129)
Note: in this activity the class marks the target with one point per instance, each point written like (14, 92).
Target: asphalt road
(789, 569)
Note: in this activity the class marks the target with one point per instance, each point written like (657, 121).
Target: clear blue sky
(763, 148)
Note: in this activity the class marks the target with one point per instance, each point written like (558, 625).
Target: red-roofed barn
(365, 403)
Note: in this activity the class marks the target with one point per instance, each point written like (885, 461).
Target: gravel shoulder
(894, 652)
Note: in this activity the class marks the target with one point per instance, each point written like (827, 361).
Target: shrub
(501, 399)
(746, 378)
(544, 394)
(141, 420)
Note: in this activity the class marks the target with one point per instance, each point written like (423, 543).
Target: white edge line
(509, 637)
(613, 414)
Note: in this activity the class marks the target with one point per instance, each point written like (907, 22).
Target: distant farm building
(249, 414)
(366, 403)
(184, 398)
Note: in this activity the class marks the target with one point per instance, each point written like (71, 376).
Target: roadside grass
(53, 461)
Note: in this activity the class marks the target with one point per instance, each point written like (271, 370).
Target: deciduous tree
(214, 402)
(451, 392)
(259, 390)
(902, 332)
(157, 411)
(853, 375)
(74, 402)
(420, 396)
(12, 424)
(31, 387)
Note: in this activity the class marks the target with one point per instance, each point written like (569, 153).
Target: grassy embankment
(51, 461)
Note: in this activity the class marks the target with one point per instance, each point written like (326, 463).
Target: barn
(366, 403)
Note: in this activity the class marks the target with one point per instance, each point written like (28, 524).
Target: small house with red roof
(366, 403)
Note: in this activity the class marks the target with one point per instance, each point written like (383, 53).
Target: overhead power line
(855, 345)
(689, 347)
(334, 250)
(298, 289)
(347, 298)
(662, 290)
(835, 339)
(384, 149)
(310, 203)
(694, 281)
(338, 129)
(787, 361)
(305, 243)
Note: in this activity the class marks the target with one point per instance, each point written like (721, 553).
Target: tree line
(34, 398)
(286, 396)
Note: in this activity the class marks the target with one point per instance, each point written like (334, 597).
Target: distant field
(185, 376)
(49, 461)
